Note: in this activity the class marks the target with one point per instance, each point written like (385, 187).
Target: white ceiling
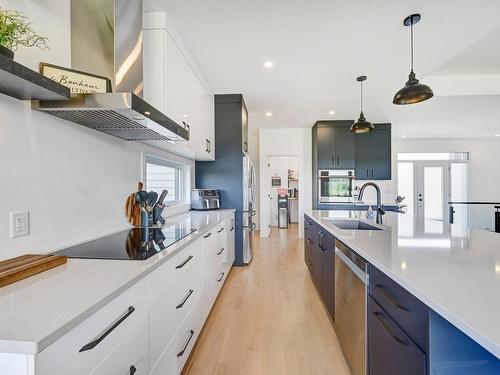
(319, 46)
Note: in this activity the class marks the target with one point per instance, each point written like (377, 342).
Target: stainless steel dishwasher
(351, 283)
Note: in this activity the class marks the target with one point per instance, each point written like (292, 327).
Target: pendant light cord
(411, 43)
(361, 96)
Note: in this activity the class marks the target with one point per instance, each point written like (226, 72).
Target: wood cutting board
(15, 269)
(132, 208)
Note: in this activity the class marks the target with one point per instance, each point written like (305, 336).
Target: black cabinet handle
(338, 161)
(390, 297)
(207, 235)
(245, 146)
(384, 323)
(372, 172)
(221, 251)
(367, 173)
(93, 344)
(320, 242)
(232, 228)
(181, 353)
(333, 161)
(184, 263)
(221, 277)
(184, 300)
(132, 370)
(209, 146)
(220, 230)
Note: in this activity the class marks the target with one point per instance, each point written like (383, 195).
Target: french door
(432, 189)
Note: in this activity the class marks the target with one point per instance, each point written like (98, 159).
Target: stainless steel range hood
(106, 39)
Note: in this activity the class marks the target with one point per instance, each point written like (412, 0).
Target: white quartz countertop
(452, 269)
(36, 311)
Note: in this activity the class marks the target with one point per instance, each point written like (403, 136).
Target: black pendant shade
(413, 91)
(362, 126)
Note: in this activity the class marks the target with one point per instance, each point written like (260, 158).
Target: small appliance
(205, 199)
(282, 211)
(335, 186)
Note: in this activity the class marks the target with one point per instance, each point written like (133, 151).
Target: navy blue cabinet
(398, 328)
(319, 255)
(373, 154)
(334, 145)
(390, 350)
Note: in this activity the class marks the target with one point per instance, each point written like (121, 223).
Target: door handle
(181, 353)
(184, 300)
(390, 297)
(184, 263)
(383, 321)
(93, 344)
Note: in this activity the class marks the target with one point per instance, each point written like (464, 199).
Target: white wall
(484, 169)
(285, 142)
(50, 18)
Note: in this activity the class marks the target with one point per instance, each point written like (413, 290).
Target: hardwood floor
(268, 319)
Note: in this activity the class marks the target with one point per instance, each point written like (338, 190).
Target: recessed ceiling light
(496, 135)
(331, 113)
(269, 114)
(403, 136)
(268, 64)
(185, 115)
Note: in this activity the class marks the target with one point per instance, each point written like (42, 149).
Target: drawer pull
(207, 235)
(383, 321)
(132, 370)
(220, 230)
(390, 297)
(181, 353)
(93, 344)
(179, 306)
(232, 228)
(184, 263)
(221, 251)
(221, 277)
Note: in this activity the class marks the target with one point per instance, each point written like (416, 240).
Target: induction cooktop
(133, 244)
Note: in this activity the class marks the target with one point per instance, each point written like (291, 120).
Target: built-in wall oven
(335, 186)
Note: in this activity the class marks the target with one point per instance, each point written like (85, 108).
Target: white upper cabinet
(173, 86)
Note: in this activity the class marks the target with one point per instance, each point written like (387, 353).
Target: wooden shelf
(20, 82)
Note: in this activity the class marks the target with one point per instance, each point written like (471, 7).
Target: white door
(432, 189)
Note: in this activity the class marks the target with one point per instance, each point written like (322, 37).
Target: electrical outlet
(19, 224)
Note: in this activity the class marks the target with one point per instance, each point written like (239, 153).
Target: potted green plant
(15, 31)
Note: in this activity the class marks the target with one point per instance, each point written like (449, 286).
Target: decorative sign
(276, 181)
(77, 81)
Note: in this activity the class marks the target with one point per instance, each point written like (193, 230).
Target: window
(163, 174)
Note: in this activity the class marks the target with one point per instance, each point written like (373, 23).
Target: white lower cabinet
(152, 327)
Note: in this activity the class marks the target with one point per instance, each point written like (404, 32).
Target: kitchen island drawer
(174, 357)
(390, 350)
(81, 349)
(130, 356)
(171, 310)
(405, 309)
(163, 278)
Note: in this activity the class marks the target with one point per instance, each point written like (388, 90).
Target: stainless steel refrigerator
(248, 204)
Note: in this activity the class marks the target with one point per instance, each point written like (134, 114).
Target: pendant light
(413, 92)
(362, 126)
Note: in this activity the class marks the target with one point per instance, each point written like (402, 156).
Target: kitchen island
(452, 270)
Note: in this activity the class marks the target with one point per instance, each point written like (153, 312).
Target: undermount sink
(352, 224)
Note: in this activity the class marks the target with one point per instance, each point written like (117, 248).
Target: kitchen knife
(162, 197)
